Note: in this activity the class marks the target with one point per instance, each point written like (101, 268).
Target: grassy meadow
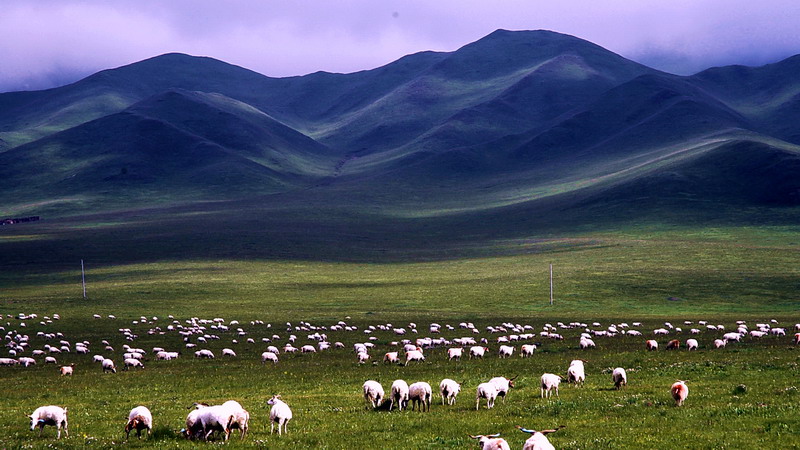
(741, 396)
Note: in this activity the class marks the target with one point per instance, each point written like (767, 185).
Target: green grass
(720, 274)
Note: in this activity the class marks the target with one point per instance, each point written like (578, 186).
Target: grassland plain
(666, 274)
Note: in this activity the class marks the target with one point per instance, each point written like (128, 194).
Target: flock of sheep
(204, 421)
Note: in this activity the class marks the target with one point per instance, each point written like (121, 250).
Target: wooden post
(83, 280)
(551, 285)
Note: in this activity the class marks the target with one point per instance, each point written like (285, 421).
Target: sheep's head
(482, 439)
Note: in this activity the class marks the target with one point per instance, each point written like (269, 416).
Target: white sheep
(50, 415)
(691, 344)
(50, 360)
(576, 373)
(527, 350)
(719, 343)
(208, 354)
(505, 351)
(228, 352)
(549, 383)
(679, 392)
(420, 393)
(491, 442)
(373, 393)
(192, 426)
(503, 385)
(391, 357)
(215, 418)
(652, 345)
(280, 413)
(363, 357)
(25, 361)
(619, 377)
(108, 366)
(399, 394)
(449, 390)
(98, 358)
(241, 418)
(477, 351)
(139, 419)
(307, 349)
(269, 356)
(8, 362)
(128, 363)
(587, 343)
(414, 355)
(487, 391)
(67, 370)
(538, 439)
(455, 353)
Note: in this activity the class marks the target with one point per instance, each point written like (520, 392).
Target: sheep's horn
(515, 377)
(475, 437)
(553, 431)
(525, 430)
(494, 435)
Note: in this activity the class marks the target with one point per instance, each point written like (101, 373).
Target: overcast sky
(44, 43)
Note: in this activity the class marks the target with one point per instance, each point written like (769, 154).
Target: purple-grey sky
(45, 43)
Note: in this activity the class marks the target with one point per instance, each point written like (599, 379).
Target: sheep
(449, 390)
(373, 393)
(67, 370)
(796, 339)
(280, 413)
(673, 345)
(487, 391)
(192, 426)
(538, 439)
(733, 336)
(505, 351)
(549, 382)
(414, 355)
(587, 343)
(108, 366)
(98, 358)
(691, 344)
(128, 363)
(651, 345)
(215, 418)
(391, 357)
(491, 442)
(269, 356)
(526, 350)
(228, 352)
(50, 360)
(503, 385)
(241, 418)
(204, 354)
(139, 419)
(679, 392)
(363, 357)
(50, 415)
(399, 394)
(477, 351)
(420, 393)
(719, 343)
(576, 373)
(619, 377)
(454, 353)
(25, 361)
(9, 362)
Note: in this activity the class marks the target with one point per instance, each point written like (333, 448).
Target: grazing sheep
(503, 385)
(139, 419)
(9, 362)
(241, 418)
(796, 339)
(193, 429)
(280, 413)
(651, 345)
(414, 355)
(619, 377)
(269, 356)
(454, 353)
(587, 343)
(214, 418)
(25, 361)
(487, 391)
(108, 366)
(491, 442)
(399, 394)
(208, 354)
(733, 336)
(549, 383)
(477, 352)
(373, 393)
(538, 439)
(228, 352)
(505, 351)
(391, 357)
(50, 415)
(679, 392)
(420, 393)
(307, 349)
(363, 357)
(691, 344)
(719, 343)
(128, 363)
(98, 358)
(50, 360)
(449, 390)
(526, 350)
(673, 345)
(576, 373)
(67, 370)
